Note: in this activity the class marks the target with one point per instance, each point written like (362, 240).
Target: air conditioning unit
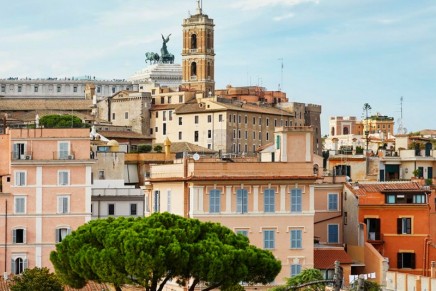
(28, 157)
(70, 157)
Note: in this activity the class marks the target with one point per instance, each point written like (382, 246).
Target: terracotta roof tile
(364, 188)
(325, 258)
(123, 134)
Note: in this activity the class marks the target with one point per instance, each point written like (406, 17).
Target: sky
(339, 54)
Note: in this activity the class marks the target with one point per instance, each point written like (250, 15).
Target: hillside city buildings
(242, 156)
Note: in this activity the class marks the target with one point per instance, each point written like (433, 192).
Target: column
(255, 198)
(228, 199)
(282, 198)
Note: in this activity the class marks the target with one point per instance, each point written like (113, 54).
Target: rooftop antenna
(401, 129)
(281, 74)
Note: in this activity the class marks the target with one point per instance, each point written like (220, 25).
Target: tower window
(194, 41)
(193, 69)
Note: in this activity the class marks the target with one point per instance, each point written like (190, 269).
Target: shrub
(144, 148)
(157, 148)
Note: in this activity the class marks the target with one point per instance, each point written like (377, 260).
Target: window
(241, 200)
(20, 178)
(19, 236)
(406, 260)
(18, 265)
(157, 114)
(296, 200)
(170, 115)
(111, 209)
(99, 89)
(209, 133)
(126, 115)
(260, 135)
(61, 233)
(234, 133)
(245, 119)
(180, 98)
(296, 238)
(239, 118)
(20, 204)
(63, 177)
(333, 233)
(268, 200)
(101, 175)
(113, 116)
(133, 209)
(269, 239)
(267, 136)
(180, 135)
(3, 88)
(209, 118)
(75, 89)
(164, 129)
(169, 99)
(244, 232)
(220, 118)
(404, 225)
(196, 119)
(180, 121)
(162, 100)
(333, 202)
(246, 134)
(35, 89)
(196, 136)
(113, 89)
(64, 149)
(260, 120)
(63, 204)
(239, 134)
(214, 201)
(275, 122)
(19, 151)
(19, 88)
(169, 200)
(254, 120)
(267, 122)
(295, 270)
(156, 206)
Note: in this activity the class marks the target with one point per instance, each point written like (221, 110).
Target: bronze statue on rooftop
(165, 57)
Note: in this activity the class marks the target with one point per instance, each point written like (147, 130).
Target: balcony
(64, 155)
(21, 156)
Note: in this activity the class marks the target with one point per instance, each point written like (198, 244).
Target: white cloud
(283, 17)
(257, 4)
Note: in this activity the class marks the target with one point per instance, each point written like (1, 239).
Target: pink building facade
(45, 193)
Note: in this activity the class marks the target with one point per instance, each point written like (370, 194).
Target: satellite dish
(196, 157)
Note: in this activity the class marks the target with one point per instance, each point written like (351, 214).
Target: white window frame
(14, 235)
(19, 197)
(16, 179)
(61, 209)
(58, 235)
(14, 258)
(328, 201)
(61, 153)
(60, 179)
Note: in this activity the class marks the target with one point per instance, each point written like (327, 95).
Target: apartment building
(271, 199)
(46, 192)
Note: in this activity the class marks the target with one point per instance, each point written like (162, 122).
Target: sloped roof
(123, 134)
(363, 188)
(243, 107)
(180, 147)
(324, 259)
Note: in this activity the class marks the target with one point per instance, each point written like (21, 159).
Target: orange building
(396, 220)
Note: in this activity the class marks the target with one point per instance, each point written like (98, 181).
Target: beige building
(273, 204)
(45, 193)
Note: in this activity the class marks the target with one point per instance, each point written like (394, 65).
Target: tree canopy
(61, 121)
(306, 276)
(36, 279)
(153, 250)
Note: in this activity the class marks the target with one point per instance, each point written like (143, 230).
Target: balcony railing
(64, 155)
(21, 156)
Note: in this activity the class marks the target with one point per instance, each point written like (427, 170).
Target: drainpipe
(6, 233)
(426, 247)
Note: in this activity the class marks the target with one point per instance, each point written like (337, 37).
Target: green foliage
(367, 286)
(157, 148)
(236, 287)
(150, 251)
(36, 279)
(417, 173)
(144, 148)
(306, 276)
(61, 121)
(428, 182)
(359, 150)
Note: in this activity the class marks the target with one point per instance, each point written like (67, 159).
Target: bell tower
(198, 55)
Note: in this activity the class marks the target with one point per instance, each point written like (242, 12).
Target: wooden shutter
(412, 261)
(400, 260)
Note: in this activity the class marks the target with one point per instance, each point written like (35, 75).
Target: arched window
(18, 265)
(193, 41)
(208, 69)
(193, 69)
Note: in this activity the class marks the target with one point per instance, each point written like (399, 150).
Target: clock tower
(198, 55)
